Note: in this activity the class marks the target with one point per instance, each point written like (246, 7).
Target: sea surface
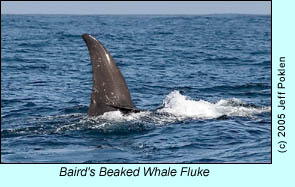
(204, 83)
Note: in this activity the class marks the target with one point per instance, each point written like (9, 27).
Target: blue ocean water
(204, 81)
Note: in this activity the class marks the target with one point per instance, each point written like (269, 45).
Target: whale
(109, 91)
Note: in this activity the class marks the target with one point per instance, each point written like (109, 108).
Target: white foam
(181, 106)
(120, 117)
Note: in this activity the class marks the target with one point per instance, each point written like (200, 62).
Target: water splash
(176, 107)
(181, 106)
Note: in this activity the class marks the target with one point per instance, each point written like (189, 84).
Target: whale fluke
(110, 91)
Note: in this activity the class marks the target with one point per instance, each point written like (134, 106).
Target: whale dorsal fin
(110, 91)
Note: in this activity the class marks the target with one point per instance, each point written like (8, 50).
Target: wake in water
(181, 106)
(176, 105)
(176, 108)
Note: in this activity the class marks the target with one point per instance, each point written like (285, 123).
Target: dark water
(204, 81)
